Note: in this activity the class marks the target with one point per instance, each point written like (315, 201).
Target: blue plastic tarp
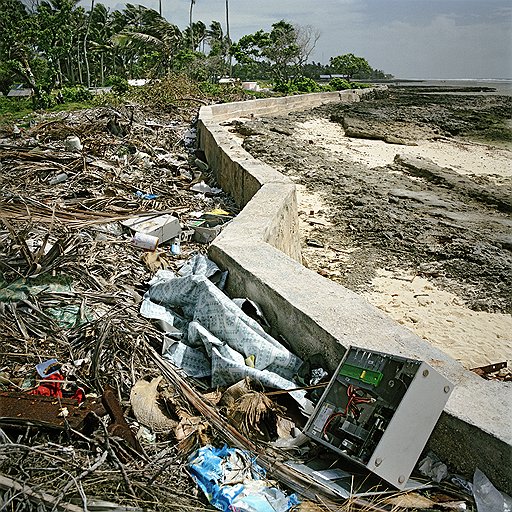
(232, 481)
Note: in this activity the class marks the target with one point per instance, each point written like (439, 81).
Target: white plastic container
(72, 143)
(176, 247)
(143, 241)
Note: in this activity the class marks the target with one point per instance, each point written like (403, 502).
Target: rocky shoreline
(448, 223)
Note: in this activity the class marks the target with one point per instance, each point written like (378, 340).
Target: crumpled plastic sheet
(232, 481)
(432, 467)
(487, 497)
(218, 337)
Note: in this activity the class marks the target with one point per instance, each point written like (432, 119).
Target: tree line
(58, 43)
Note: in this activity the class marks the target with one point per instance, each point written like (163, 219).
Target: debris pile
(71, 280)
(126, 374)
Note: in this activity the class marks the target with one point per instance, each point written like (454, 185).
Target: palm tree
(192, 2)
(228, 38)
(101, 31)
(145, 29)
(227, 19)
(86, 56)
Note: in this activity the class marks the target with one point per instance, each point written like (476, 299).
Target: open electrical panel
(370, 390)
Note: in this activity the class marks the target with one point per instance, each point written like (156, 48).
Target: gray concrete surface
(261, 250)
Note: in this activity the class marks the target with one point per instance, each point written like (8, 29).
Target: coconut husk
(144, 398)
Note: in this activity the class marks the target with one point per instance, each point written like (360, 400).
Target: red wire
(353, 400)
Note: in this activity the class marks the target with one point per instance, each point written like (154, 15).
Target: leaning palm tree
(144, 29)
(192, 2)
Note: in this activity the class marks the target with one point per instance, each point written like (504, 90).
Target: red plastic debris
(50, 387)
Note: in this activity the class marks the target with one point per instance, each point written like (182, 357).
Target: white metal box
(164, 227)
(379, 411)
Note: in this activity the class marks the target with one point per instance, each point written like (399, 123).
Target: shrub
(43, 101)
(360, 85)
(210, 89)
(118, 83)
(285, 87)
(340, 84)
(76, 94)
(305, 84)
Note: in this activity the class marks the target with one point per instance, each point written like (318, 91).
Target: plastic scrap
(50, 387)
(189, 138)
(59, 178)
(69, 316)
(433, 468)
(145, 195)
(462, 483)
(232, 481)
(203, 188)
(487, 497)
(48, 368)
(22, 288)
(73, 143)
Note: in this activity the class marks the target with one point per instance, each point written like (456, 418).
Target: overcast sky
(408, 38)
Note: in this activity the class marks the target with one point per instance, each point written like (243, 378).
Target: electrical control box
(379, 410)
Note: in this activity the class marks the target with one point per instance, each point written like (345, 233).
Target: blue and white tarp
(218, 338)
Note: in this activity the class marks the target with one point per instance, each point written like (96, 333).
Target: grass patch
(14, 109)
(20, 111)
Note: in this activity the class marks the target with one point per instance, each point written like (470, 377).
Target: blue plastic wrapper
(232, 481)
(144, 195)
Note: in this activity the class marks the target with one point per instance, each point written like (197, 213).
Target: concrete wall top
(261, 249)
(269, 106)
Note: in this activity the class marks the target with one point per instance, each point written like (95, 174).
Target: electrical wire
(355, 398)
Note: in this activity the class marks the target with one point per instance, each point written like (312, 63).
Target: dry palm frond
(256, 415)
(234, 392)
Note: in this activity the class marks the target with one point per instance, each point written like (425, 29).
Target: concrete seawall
(261, 250)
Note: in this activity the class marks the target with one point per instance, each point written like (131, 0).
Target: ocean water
(503, 86)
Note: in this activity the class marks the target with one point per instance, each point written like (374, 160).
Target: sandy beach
(352, 192)
(475, 338)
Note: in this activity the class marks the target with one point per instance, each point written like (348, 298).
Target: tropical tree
(15, 47)
(101, 45)
(228, 38)
(350, 65)
(219, 50)
(306, 38)
(196, 36)
(147, 41)
(36, 45)
(277, 50)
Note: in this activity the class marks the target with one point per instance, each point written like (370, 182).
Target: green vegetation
(339, 84)
(59, 49)
(12, 110)
(351, 66)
